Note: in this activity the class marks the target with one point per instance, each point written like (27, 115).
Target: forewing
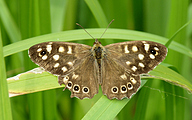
(116, 81)
(83, 81)
(59, 58)
(137, 57)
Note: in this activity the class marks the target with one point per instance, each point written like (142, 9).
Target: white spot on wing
(146, 47)
(75, 76)
(70, 63)
(69, 50)
(133, 80)
(64, 69)
(56, 65)
(134, 68)
(61, 49)
(38, 50)
(152, 56)
(40, 55)
(44, 57)
(141, 65)
(126, 49)
(49, 48)
(128, 62)
(56, 57)
(156, 48)
(65, 79)
(124, 77)
(140, 56)
(134, 49)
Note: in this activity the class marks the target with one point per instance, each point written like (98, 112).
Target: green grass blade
(12, 31)
(81, 35)
(58, 7)
(142, 101)
(5, 107)
(177, 18)
(98, 13)
(32, 81)
(9, 23)
(169, 101)
(70, 12)
(171, 76)
(175, 34)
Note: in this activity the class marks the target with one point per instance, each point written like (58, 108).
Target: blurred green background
(159, 100)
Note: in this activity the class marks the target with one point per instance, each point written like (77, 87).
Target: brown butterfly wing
(73, 64)
(82, 82)
(137, 57)
(59, 58)
(116, 81)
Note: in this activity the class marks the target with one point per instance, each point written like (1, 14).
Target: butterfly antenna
(106, 29)
(85, 30)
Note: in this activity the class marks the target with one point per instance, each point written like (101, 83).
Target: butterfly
(115, 67)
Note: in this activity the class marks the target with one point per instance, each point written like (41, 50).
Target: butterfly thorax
(98, 51)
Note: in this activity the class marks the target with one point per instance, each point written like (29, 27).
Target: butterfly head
(97, 42)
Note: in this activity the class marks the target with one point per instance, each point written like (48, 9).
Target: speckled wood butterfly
(82, 68)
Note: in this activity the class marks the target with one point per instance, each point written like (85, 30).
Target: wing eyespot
(69, 84)
(129, 86)
(85, 90)
(114, 89)
(123, 89)
(153, 52)
(43, 52)
(76, 88)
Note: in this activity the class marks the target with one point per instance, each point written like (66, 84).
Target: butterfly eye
(43, 52)
(153, 52)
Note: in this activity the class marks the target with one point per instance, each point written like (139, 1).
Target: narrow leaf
(81, 35)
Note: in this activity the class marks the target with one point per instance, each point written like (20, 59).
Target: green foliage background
(21, 20)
